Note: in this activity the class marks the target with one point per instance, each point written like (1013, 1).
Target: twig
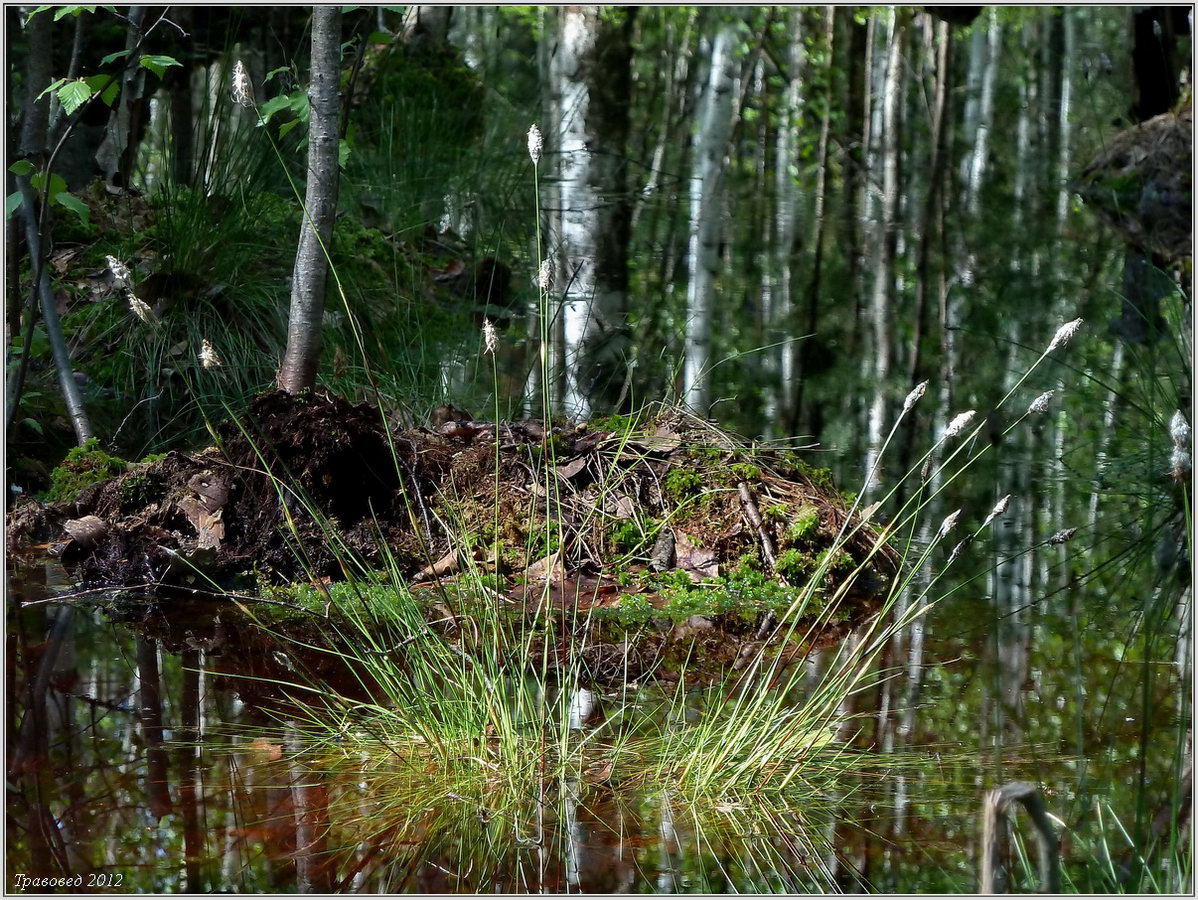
(754, 516)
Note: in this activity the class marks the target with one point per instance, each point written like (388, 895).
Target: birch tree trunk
(882, 305)
(300, 361)
(713, 132)
(591, 72)
(780, 309)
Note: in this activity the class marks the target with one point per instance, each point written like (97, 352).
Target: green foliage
(84, 465)
(680, 483)
(803, 526)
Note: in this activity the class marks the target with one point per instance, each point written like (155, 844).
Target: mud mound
(664, 514)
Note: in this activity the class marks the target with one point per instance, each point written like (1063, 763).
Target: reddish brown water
(132, 768)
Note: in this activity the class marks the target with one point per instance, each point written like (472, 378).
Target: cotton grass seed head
(960, 548)
(142, 310)
(545, 275)
(490, 339)
(208, 355)
(1040, 404)
(999, 508)
(948, 524)
(1179, 430)
(959, 423)
(1064, 334)
(1063, 536)
(1180, 464)
(534, 144)
(242, 89)
(119, 273)
(912, 398)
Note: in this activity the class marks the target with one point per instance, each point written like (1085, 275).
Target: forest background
(782, 217)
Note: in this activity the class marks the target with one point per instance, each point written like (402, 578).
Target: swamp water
(133, 768)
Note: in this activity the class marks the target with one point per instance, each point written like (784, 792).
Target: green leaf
(33, 424)
(54, 85)
(110, 93)
(276, 71)
(112, 57)
(74, 204)
(11, 204)
(286, 129)
(40, 9)
(73, 95)
(272, 106)
(343, 152)
(64, 11)
(21, 167)
(57, 185)
(158, 64)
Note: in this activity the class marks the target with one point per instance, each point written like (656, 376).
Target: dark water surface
(139, 761)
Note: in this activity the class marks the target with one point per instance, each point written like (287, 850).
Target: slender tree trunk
(713, 132)
(592, 72)
(780, 308)
(882, 306)
(302, 357)
(794, 409)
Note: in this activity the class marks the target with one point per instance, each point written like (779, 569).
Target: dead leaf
(548, 569)
(572, 468)
(87, 531)
(265, 750)
(697, 562)
(446, 565)
(622, 507)
(210, 529)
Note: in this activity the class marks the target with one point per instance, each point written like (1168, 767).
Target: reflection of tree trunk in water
(313, 863)
(188, 758)
(149, 711)
(29, 762)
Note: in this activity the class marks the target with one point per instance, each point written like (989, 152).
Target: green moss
(84, 465)
(140, 489)
(744, 472)
(617, 424)
(631, 535)
(795, 565)
(679, 484)
(803, 526)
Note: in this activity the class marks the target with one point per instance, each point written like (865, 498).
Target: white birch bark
(713, 131)
(882, 302)
(591, 211)
(302, 356)
(780, 303)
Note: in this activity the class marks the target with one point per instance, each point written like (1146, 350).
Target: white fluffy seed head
(1040, 404)
(959, 423)
(119, 273)
(545, 275)
(142, 310)
(960, 548)
(1064, 334)
(999, 508)
(490, 338)
(948, 524)
(1180, 464)
(243, 94)
(534, 144)
(1062, 536)
(209, 358)
(913, 397)
(1179, 430)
